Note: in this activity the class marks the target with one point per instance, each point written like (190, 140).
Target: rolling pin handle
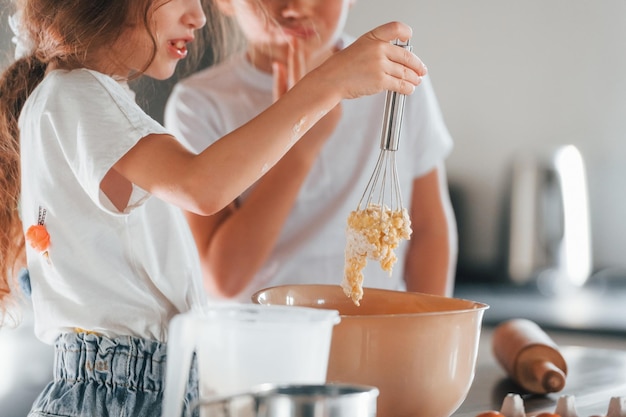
(552, 378)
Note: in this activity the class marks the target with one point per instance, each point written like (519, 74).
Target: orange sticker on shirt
(37, 235)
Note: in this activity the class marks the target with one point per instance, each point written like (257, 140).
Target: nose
(195, 17)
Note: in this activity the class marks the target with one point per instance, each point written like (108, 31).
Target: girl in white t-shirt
(91, 186)
(290, 227)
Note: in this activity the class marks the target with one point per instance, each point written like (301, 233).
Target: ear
(226, 7)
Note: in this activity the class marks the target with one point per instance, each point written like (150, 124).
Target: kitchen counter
(596, 372)
(597, 307)
(594, 358)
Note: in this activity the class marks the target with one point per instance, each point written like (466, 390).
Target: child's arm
(432, 253)
(236, 242)
(207, 182)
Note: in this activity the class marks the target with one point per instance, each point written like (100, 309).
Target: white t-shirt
(310, 249)
(106, 271)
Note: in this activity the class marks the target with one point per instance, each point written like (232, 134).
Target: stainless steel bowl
(270, 400)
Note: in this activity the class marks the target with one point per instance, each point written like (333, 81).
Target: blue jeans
(101, 377)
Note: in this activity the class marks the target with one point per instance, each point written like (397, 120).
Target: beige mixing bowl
(419, 350)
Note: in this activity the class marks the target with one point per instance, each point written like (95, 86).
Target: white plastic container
(241, 346)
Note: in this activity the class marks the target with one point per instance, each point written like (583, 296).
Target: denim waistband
(123, 361)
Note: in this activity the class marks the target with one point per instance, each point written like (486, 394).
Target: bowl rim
(476, 305)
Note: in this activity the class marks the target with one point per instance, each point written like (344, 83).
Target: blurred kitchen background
(517, 82)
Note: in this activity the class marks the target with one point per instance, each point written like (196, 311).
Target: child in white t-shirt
(290, 226)
(93, 186)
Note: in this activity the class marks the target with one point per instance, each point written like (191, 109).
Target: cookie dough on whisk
(380, 221)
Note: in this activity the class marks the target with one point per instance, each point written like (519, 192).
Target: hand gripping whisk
(380, 220)
(383, 188)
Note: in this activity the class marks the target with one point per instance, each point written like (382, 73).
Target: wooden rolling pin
(529, 356)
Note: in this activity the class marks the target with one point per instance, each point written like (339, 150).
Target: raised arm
(207, 182)
(235, 243)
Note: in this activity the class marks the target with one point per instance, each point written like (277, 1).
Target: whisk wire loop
(380, 221)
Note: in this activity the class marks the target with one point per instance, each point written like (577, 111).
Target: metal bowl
(270, 400)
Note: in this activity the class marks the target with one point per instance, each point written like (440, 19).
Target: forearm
(206, 183)
(245, 240)
(235, 250)
(432, 254)
(247, 153)
(430, 264)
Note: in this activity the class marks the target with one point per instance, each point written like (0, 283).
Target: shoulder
(86, 96)
(81, 79)
(86, 88)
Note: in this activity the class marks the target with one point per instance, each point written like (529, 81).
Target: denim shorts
(98, 376)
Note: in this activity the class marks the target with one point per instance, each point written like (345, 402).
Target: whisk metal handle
(394, 109)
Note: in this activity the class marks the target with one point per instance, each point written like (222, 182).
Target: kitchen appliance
(419, 350)
(241, 346)
(270, 400)
(549, 233)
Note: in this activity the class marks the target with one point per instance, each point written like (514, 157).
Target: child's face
(173, 25)
(269, 25)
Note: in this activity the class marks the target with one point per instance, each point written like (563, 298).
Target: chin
(161, 72)
(160, 75)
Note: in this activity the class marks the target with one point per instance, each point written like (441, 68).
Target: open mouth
(179, 48)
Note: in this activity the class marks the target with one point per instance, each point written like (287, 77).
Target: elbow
(205, 200)
(222, 286)
(225, 274)
(207, 207)
(227, 291)
(228, 278)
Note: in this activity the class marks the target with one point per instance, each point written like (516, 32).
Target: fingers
(280, 80)
(296, 62)
(372, 64)
(408, 59)
(403, 86)
(406, 68)
(291, 71)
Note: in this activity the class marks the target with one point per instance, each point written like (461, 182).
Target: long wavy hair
(65, 34)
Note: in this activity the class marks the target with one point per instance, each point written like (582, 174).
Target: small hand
(287, 73)
(373, 64)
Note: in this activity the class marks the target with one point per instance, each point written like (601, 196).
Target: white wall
(520, 74)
